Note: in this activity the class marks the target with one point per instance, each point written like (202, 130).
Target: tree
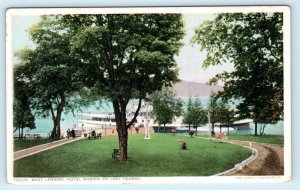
(213, 112)
(220, 112)
(22, 114)
(253, 43)
(226, 116)
(165, 106)
(49, 72)
(128, 55)
(187, 116)
(199, 115)
(195, 115)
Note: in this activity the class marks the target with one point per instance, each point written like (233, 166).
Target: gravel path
(269, 161)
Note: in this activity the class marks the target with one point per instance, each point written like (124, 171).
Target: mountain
(186, 89)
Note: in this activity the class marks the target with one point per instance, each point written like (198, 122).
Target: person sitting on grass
(183, 144)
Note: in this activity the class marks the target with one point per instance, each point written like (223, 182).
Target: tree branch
(135, 115)
(60, 106)
(15, 129)
(52, 111)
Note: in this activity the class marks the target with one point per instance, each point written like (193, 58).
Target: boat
(106, 122)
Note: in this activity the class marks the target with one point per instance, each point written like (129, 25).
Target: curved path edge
(241, 165)
(266, 159)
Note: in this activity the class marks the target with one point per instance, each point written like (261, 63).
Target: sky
(189, 59)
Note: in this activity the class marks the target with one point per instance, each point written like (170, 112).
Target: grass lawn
(204, 135)
(270, 139)
(20, 144)
(159, 156)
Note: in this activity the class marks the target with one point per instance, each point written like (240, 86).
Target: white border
(287, 94)
(137, 10)
(9, 98)
(152, 180)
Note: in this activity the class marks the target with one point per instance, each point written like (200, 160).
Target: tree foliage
(125, 56)
(219, 112)
(188, 114)
(165, 106)
(213, 111)
(226, 116)
(195, 115)
(253, 43)
(22, 114)
(49, 72)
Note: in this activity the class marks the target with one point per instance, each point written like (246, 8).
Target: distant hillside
(185, 89)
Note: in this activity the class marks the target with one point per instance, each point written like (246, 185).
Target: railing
(32, 135)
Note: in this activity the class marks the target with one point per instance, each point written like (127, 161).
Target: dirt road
(269, 160)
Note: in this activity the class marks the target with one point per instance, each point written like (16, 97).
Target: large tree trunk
(120, 115)
(123, 143)
(22, 132)
(122, 126)
(55, 134)
(56, 131)
(19, 133)
(58, 115)
(255, 128)
(56, 127)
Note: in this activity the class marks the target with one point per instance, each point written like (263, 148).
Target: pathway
(269, 160)
(36, 149)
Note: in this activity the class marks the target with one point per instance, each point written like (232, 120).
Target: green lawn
(160, 156)
(20, 144)
(270, 139)
(204, 135)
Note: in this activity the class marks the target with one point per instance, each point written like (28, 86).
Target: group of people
(71, 133)
(94, 135)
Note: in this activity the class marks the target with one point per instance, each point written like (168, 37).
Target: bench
(115, 153)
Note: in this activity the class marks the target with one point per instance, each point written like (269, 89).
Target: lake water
(69, 120)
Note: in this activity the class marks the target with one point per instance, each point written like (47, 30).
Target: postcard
(148, 95)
